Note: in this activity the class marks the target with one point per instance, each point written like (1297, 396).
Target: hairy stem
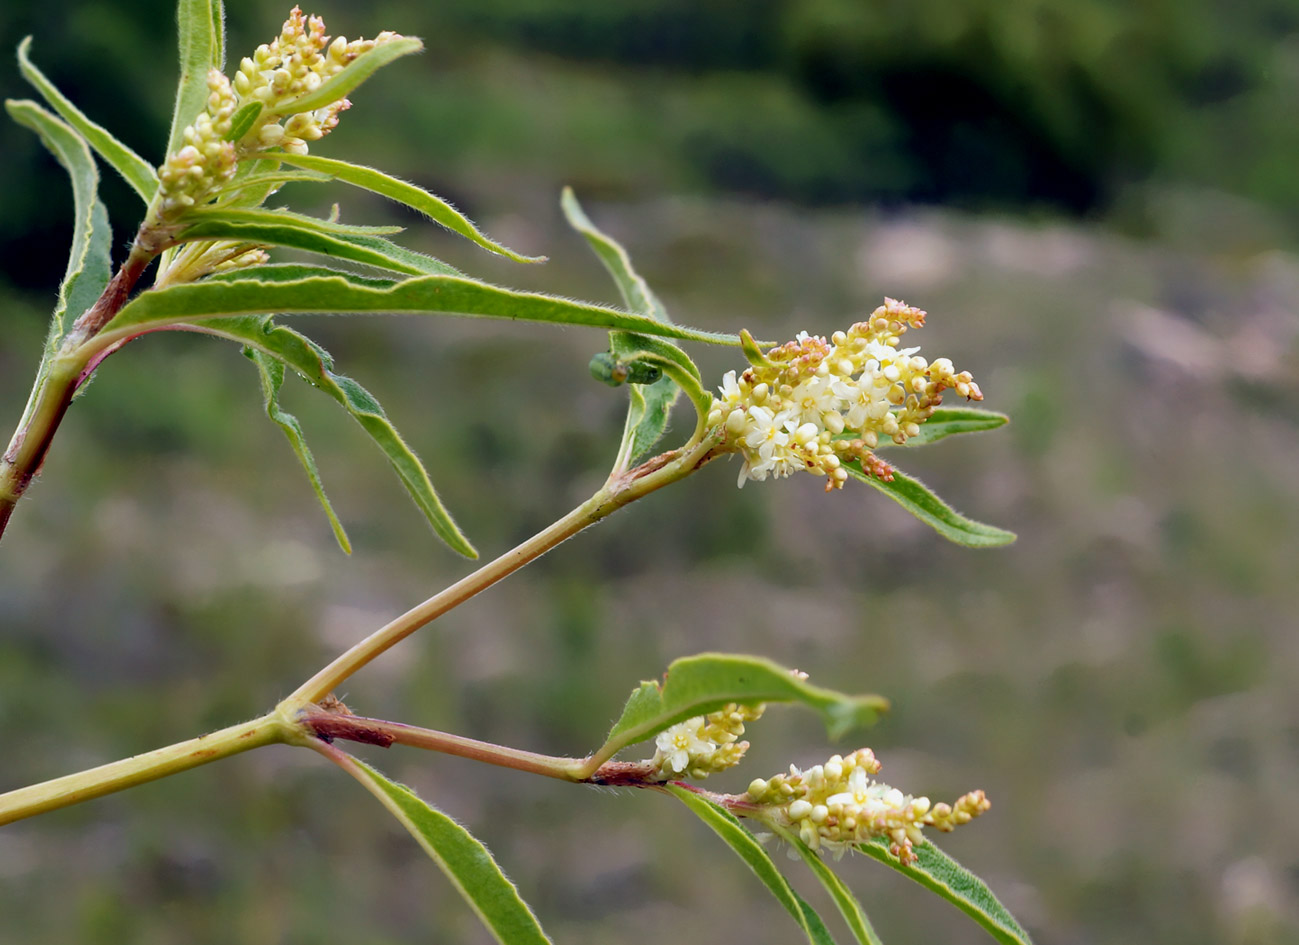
(139, 769)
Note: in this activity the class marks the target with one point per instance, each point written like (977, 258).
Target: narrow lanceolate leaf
(201, 29)
(948, 421)
(314, 364)
(916, 498)
(747, 848)
(280, 228)
(252, 293)
(137, 172)
(271, 372)
(417, 198)
(356, 72)
(697, 685)
(849, 907)
(647, 414)
(465, 861)
(88, 267)
(940, 874)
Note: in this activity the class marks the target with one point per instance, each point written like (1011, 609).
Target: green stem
(119, 775)
(618, 492)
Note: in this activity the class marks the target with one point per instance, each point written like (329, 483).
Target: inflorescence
(836, 806)
(833, 806)
(814, 405)
(705, 744)
(280, 73)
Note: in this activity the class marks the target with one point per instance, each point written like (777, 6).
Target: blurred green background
(1098, 204)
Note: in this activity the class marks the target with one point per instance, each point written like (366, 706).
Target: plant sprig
(813, 404)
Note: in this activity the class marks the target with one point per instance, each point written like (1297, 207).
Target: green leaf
(697, 685)
(315, 366)
(747, 848)
(252, 292)
(271, 180)
(89, 266)
(940, 874)
(201, 28)
(271, 372)
(465, 861)
(417, 198)
(134, 169)
(296, 231)
(242, 120)
(356, 72)
(647, 414)
(945, 422)
(848, 905)
(916, 498)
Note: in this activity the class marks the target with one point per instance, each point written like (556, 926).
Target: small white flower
(681, 744)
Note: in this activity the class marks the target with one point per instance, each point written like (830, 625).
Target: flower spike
(812, 403)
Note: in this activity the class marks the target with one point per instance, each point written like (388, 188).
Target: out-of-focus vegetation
(1121, 681)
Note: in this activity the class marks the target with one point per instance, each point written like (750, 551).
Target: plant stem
(356, 728)
(57, 381)
(618, 492)
(119, 775)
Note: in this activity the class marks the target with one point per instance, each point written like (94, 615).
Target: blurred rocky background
(1098, 204)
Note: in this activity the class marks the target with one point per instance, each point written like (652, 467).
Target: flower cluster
(207, 160)
(295, 64)
(704, 744)
(278, 74)
(815, 404)
(836, 806)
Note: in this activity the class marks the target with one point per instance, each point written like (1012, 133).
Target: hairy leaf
(916, 498)
(849, 907)
(465, 861)
(356, 72)
(201, 29)
(253, 293)
(696, 685)
(647, 414)
(242, 120)
(314, 364)
(948, 421)
(136, 171)
(89, 264)
(271, 372)
(415, 197)
(747, 848)
(296, 231)
(940, 874)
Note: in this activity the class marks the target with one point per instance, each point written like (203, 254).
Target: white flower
(682, 744)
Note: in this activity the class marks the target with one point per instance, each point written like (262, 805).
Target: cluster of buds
(293, 65)
(207, 160)
(813, 404)
(836, 806)
(279, 73)
(704, 744)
